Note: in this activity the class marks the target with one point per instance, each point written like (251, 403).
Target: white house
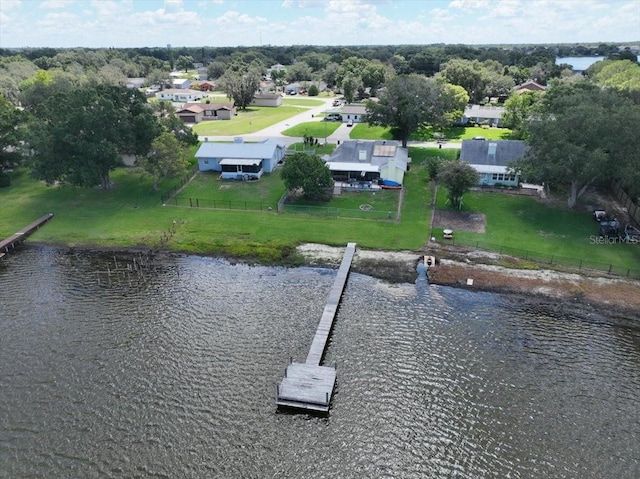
(181, 96)
(353, 112)
(266, 99)
(491, 159)
(240, 160)
(489, 115)
(181, 83)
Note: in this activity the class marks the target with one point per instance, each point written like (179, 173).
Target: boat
(389, 184)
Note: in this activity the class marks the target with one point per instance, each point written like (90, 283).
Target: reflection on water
(175, 376)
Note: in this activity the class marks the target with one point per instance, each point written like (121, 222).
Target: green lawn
(302, 101)
(362, 131)
(131, 214)
(247, 121)
(316, 129)
(526, 224)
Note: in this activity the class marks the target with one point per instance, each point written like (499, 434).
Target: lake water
(174, 375)
(578, 63)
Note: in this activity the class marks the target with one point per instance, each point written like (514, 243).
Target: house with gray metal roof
(482, 115)
(491, 159)
(357, 161)
(239, 160)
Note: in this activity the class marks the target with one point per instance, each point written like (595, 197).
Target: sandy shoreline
(609, 292)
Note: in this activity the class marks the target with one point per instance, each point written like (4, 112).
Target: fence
(626, 201)
(183, 181)
(184, 201)
(550, 258)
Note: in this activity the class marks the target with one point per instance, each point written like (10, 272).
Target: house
(179, 95)
(135, 82)
(266, 99)
(354, 113)
(357, 161)
(240, 160)
(528, 86)
(491, 159)
(206, 86)
(482, 115)
(181, 83)
(197, 112)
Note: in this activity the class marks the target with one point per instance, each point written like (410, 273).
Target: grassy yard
(131, 214)
(362, 131)
(316, 129)
(301, 101)
(526, 224)
(247, 121)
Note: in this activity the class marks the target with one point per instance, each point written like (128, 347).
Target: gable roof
(481, 111)
(354, 109)
(200, 107)
(492, 152)
(529, 85)
(260, 150)
(378, 152)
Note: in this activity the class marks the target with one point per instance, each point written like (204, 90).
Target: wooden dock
(309, 386)
(12, 241)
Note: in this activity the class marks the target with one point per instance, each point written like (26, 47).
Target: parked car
(350, 123)
(333, 117)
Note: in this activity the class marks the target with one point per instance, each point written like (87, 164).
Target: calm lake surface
(578, 63)
(174, 376)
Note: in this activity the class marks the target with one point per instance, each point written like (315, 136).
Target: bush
(5, 179)
(313, 91)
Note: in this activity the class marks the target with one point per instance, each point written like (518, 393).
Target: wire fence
(181, 184)
(187, 202)
(551, 259)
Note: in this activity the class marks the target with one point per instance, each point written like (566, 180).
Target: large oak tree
(81, 135)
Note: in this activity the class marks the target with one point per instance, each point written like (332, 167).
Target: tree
(82, 135)
(215, 70)
(471, 75)
(167, 158)
(350, 86)
(517, 109)
(458, 177)
(570, 137)
(406, 104)
(12, 135)
(240, 85)
(313, 91)
(451, 104)
(308, 173)
(298, 72)
(184, 62)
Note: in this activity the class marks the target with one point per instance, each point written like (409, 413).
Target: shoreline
(577, 290)
(613, 295)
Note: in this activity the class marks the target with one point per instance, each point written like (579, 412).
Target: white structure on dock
(309, 386)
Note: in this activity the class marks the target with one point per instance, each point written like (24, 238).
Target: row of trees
(79, 136)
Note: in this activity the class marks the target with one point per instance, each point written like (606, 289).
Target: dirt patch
(459, 221)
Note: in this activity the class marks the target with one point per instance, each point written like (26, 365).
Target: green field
(247, 121)
(316, 129)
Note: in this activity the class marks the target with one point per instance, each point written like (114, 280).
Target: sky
(218, 23)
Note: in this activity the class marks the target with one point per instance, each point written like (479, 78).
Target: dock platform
(12, 241)
(309, 386)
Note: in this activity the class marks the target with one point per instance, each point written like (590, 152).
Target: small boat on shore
(389, 184)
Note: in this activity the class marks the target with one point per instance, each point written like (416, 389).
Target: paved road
(311, 114)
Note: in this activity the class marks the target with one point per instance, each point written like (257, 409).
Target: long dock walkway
(19, 237)
(309, 386)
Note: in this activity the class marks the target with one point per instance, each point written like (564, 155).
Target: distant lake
(578, 63)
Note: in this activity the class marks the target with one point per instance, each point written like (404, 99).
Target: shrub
(5, 179)
(313, 91)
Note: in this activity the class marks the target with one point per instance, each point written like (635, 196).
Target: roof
(529, 85)
(348, 166)
(354, 109)
(489, 168)
(492, 152)
(480, 111)
(379, 152)
(261, 150)
(200, 107)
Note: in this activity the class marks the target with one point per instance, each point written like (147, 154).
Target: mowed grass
(247, 121)
(527, 224)
(362, 131)
(317, 129)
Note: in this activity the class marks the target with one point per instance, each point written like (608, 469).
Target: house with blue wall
(491, 159)
(240, 160)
